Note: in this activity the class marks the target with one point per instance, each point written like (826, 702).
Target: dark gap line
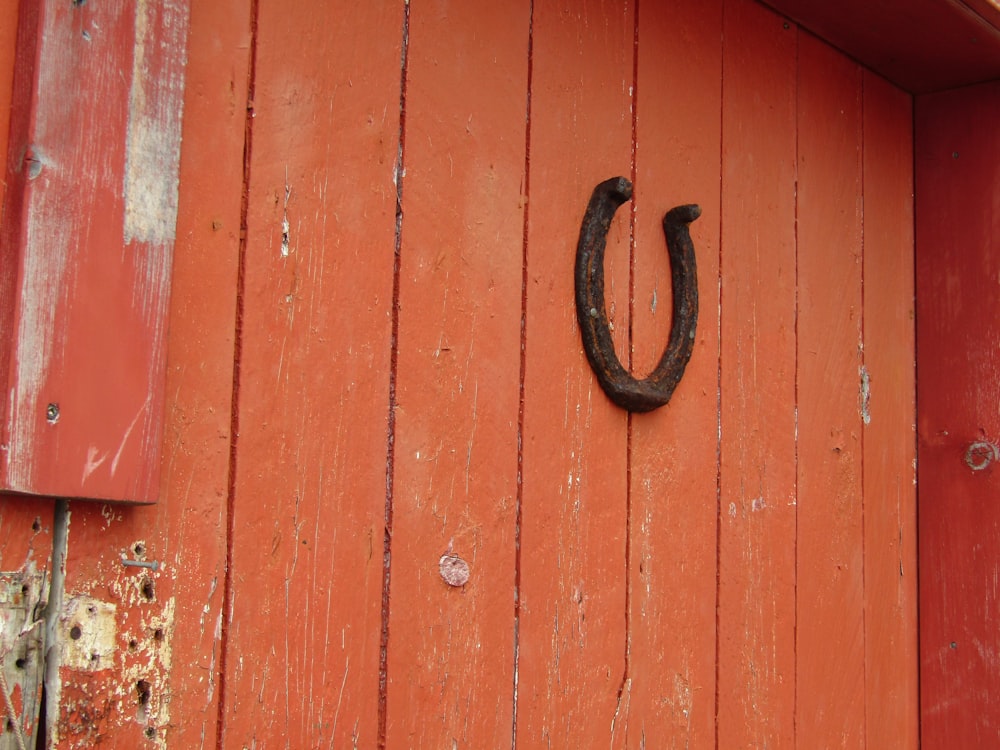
(795, 542)
(863, 405)
(718, 391)
(522, 373)
(633, 173)
(234, 424)
(390, 466)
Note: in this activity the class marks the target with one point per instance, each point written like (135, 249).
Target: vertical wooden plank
(758, 455)
(450, 650)
(572, 683)
(888, 406)
(958, 265)
(87, 244)
(156, 633)
(830, 695)
(674, 450)
(309, 493)
(8, 41)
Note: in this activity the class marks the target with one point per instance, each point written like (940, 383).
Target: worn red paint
(87, 243)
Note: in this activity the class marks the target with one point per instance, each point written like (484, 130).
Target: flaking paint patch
(153, 138)
(87, 632)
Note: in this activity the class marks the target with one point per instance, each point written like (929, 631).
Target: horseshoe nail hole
(37, 525)
(147, 589)
(133, 645)
(150, 733)
(20, 663)
(75, 632)
(139, 549)
(158, 635)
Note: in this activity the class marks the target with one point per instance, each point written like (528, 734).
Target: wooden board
(572, 677)
(158, 633)
(309, 494)
(673, 451)
(758, 494)
(87, 234)
(888, 405)
(457, 373)
(958, 190)
(830, 584)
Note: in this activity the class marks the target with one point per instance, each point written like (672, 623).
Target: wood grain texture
(156, 681)
(572, 684)
(958, 238)
(87, 242)
(888, 406)
(309, 493)
(674, 450)
(758, 494)
(451, 649)
(830, 655)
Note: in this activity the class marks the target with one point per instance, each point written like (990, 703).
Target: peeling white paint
(153, 139)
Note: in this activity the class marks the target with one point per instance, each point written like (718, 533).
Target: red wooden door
(378, 210)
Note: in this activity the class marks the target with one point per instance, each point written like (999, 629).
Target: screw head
(52, 413)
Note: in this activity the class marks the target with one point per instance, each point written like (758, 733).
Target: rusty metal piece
(620, 386)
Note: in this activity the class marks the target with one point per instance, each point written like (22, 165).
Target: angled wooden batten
(87, 245)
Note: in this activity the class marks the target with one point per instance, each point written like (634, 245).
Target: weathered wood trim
(87, 244)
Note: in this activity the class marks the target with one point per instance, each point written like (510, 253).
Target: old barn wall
(374, 362)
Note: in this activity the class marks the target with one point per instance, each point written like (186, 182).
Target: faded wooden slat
(758, 491)
(674, 450)
(156, 681)
(87, 241)
(572, 686)
(309, 495)
(451, 648)
(888, 408)
(958, 264)
(830, 695)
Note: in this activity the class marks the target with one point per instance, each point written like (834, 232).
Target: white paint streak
(153, 140)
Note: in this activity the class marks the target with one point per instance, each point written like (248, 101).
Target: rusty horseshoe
(620, 386)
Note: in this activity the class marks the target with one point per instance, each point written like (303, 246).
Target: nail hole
(37, 525)
(147, 589)
(158, 634)
(75, 632)
(145, 691)
(20, 663)
(133, 644)
(139, 548)
(150, 733)
(94, 656)
(52, 413)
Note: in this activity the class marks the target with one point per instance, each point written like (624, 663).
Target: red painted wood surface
(411, 383)
(888, 406)
(87, 240)
(572, 574)
(456, 399)
(309, 494)
(673, 452)
(757, 500)
(156, 679)
(958, 190)
(830, 585)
